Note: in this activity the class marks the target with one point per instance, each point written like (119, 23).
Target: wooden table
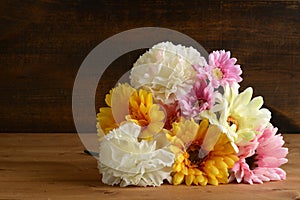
(53, 166)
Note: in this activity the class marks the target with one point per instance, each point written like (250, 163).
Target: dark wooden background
(43, 43)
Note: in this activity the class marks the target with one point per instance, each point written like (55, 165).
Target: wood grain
(43, 43)
(53, 166)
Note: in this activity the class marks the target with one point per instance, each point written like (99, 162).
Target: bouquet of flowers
(182, 119)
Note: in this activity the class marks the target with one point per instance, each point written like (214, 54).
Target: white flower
(126, 161)
(166, 70)
(237, 115)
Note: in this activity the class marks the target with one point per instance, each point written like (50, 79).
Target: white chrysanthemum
(166, 70)
(126, 161)
(237, 115)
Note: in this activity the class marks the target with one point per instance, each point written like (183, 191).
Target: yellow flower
(145, 113)
(105, 119)
(118, 101)
(127, 104)
(200, 160)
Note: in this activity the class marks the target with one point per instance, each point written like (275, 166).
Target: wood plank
(53, 166)
(43, 44)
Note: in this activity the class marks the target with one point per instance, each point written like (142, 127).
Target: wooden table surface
(53, 166)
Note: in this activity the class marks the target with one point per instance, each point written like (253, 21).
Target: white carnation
(126, 161)
(166, 70)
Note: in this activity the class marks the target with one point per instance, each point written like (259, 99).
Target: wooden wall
(43, 43)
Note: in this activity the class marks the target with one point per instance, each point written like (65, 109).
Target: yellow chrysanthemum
(127, 104)
(145, 113)
(200, 160)
(112, 116)
(105, 119)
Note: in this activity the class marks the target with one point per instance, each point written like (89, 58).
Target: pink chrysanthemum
(203, 72)
(201, 97)
(261, 158)
(223, 68)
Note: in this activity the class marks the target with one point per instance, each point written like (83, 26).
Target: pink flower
(223, 68)
(203, 72)
(261, 158)
(201, 97)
